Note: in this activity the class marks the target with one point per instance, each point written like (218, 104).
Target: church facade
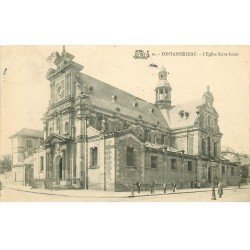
(99, 137)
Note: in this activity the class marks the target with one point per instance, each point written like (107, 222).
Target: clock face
(60, 90)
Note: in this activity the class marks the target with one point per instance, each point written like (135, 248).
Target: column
(63, 165)
(79, 144)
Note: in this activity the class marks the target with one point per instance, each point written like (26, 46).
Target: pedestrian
(174, 186)
(0, 188)
(164, 187)
(153, 187)
(138, 184)
(220, 189)
(239, 183)
(191, 184)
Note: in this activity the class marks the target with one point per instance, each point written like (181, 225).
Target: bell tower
(63, 76)
(163, 90)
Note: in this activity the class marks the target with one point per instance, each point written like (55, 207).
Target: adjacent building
(25, 144)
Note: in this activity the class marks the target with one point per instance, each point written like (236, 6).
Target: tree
(5, 163)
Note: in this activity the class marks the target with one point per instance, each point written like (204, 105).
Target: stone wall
(125, 175)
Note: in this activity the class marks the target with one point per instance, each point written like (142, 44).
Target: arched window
(58, 123)
(209, 146)
(154, 161)
(66, 127)
(130, 156)
(93, 157)
(203, 147)
(41, 163)
(215, 149)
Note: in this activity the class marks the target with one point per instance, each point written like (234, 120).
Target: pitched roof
(176, 120)
(29, 133)
(125, 103)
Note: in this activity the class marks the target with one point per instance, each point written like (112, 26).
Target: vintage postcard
(124, 123)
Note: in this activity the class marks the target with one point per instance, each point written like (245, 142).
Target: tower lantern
(163, 90)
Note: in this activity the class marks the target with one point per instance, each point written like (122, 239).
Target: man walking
(153, 187)
(164, 187)
(220, 189)
(174, 186)
(138, 184)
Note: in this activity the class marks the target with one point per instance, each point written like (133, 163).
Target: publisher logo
(140, 54)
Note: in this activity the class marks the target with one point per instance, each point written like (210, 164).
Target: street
(230, 195)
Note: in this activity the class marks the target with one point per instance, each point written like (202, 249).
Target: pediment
(56, 138)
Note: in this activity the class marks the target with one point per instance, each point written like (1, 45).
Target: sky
(25, 90)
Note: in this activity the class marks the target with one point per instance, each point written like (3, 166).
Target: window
(232, 170)
(130, 157)
(58, 123)
(66, 127)
(41, 163)
(93, 157)
(29, 144)
(154, 161)
(203, 146)
(173, 164)
(223, 170)
(215, 149)
(209, 146)
(190, 166)
(162, 138)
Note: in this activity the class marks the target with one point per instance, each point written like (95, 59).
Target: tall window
(58, 123)
(215, 149)
(203, 146)
(190, 166)
(223, 171)
(66, 127)
(93, 157)
(232, 170)
(162, 138)
(41, 163)
(173, 164)
(209, 146)
(154, 161)
(29, 144)
(130, 156)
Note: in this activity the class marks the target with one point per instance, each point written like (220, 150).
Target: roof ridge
(119, 90)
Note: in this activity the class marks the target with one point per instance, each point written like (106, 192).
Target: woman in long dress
(220, 189)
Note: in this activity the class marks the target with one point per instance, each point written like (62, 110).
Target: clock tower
(63, 76)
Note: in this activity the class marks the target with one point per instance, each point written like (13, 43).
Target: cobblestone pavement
(13, 193)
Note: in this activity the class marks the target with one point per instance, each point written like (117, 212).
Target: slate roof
(29, 133)
(101, 96)
(176, 121)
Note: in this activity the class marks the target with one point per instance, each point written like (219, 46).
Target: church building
(97, 136)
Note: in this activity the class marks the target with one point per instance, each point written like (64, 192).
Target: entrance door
(60, 169)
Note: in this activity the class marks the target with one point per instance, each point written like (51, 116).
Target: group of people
(152, 187)
(194, 184)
